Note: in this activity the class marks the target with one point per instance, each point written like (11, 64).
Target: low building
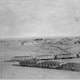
(71, 66)
(65, 56)
(22, 58)
(45, 57)
(52, 64)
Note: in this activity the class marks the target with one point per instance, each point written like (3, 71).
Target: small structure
(38, 39)
(28, 63)
(45, 57)
(51, 64)
(20, 58)
(78, 55)
(65, 56)
(71, 66)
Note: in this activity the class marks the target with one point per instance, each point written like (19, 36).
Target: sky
(39, 18)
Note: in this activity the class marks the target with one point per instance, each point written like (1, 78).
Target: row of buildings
(60, 61)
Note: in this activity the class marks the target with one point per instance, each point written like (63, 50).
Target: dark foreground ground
(13, 48)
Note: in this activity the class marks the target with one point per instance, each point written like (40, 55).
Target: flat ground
(8, 71)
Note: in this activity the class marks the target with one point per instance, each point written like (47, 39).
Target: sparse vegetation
(47, 52)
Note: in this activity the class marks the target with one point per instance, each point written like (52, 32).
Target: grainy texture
(11, 48)
(33, 19)
(36, 18)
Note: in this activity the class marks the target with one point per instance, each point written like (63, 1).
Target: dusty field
(8, 71)
(11, 48)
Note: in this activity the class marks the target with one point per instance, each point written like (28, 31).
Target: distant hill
(44, 45)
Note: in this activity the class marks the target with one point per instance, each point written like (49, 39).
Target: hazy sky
(27, 18)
